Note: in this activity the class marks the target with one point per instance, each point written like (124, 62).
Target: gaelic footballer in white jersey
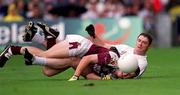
(142, 60)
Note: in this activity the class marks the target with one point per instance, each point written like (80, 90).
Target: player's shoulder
(141, 58)
(121, 45)
(74, 35)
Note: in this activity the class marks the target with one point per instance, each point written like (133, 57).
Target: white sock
(39, 60)
(38, 38)
(10, 52)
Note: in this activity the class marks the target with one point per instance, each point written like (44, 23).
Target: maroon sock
(16, 50)
(50, 42)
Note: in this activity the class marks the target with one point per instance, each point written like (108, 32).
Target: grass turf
(161, 78)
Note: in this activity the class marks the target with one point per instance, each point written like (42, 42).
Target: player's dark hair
(114, 49)
(147, 35)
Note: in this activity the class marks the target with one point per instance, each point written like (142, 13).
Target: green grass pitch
(161, 78)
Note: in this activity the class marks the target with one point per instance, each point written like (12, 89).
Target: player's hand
(91, 31)
(109, 76)
(106, 77)
(74, 78)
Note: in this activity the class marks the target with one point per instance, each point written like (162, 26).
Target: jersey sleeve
(142, 66)
(107, 57)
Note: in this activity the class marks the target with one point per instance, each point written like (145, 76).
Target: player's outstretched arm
(85, 61)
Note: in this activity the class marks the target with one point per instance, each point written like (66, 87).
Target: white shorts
(78, 45)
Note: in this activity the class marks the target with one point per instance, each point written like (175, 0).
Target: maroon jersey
(95, 49)
(105, 56)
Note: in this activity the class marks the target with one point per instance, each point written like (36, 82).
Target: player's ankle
(76, 77)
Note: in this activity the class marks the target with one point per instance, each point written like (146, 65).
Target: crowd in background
(85, 9)
(19, 10)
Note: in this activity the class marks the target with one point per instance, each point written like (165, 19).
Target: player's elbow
(86, 59)
(90, 58)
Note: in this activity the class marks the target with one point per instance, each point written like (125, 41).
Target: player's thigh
(75, 62)
(48, 71)
(92, 76)
(58, 63)
(87, 71)
(59, 50)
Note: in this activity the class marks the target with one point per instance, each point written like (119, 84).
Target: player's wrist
(74, 78)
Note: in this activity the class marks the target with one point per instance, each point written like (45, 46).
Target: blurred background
(117, 21)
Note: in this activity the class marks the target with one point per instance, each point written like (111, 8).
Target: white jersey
(78, 45)
(142, 60)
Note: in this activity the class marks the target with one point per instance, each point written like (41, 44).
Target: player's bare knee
(47, 73)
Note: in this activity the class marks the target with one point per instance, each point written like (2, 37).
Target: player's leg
(18, 50)
(32, 34)
(53, 66)
(48, 31)
(88, 73)
(95, 38)
(48, 42)
(73, 62)
(30, 31)
(12, 50)
(48, 71)
(5, 55)
(50, 34)
(59, 50)
(56, 63)
(93, 76)
(91, 30)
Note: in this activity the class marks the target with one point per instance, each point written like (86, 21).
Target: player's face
(142, 44)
